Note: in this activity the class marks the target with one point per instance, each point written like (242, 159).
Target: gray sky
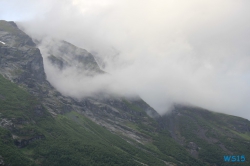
(194, 51)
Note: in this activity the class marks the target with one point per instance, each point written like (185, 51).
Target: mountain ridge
(60, 103)
(41, 126)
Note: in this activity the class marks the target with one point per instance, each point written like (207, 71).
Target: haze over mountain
(41, 126)
(166, 51)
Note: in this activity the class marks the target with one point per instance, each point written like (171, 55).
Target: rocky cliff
(22, 63)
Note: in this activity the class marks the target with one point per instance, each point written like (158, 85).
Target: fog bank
(195, 52)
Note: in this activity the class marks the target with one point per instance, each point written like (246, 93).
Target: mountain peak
(13, 36)
(63, 55)
(19, 55)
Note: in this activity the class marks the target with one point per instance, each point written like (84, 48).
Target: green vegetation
(30, 136)
(15, 102)
(10, 152)
(69, 139)
(72, 139)
(171, 148)
(215, 134)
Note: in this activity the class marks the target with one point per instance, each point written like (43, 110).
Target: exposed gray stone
(22, 63)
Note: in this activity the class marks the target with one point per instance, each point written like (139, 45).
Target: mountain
(65, 55)
(40, 126)
(208, 135)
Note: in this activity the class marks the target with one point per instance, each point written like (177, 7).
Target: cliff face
(65, 55)
(22, 63)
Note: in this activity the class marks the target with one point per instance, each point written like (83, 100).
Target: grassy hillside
(210, 136)
(29, 135)
(69, 139)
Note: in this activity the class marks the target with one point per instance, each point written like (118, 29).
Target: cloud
(73, 78)
(167, 51)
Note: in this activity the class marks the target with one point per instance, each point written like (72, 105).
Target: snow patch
(2, 42)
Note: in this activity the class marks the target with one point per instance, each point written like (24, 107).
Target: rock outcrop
(22, 63)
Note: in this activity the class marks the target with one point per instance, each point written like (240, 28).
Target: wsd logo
(240, 158)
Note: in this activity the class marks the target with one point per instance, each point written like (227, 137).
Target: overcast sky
(195, 52)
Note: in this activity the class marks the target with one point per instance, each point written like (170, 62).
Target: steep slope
(29, 135)
(65, 55)
(208, 135)
(39, 126)
(23, 64)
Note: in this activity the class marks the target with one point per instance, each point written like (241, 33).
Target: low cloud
(73, 78)
(194, 52)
